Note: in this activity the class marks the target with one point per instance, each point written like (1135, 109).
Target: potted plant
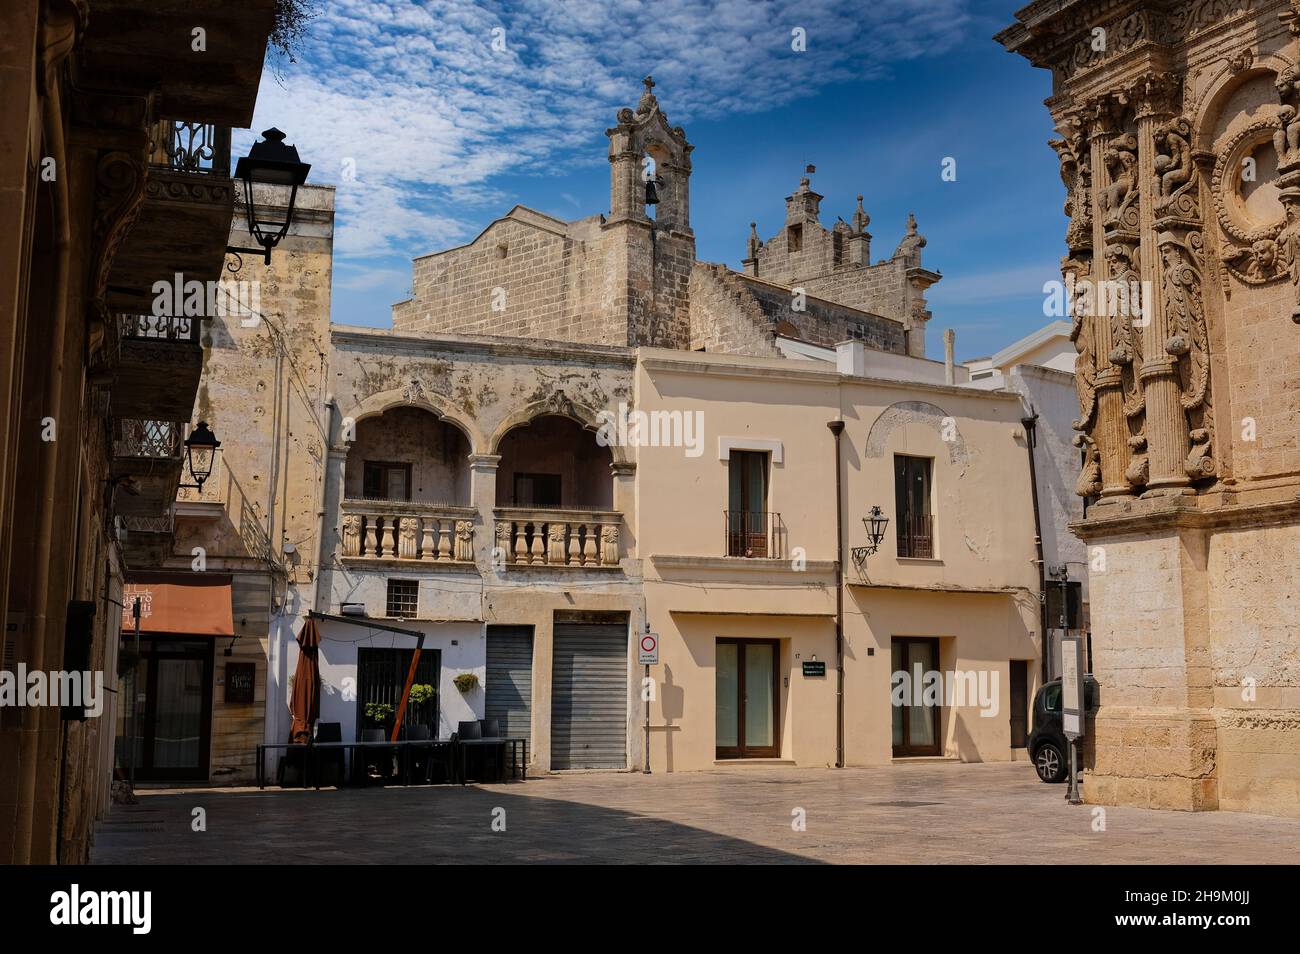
(421, 693)
(378, 714)
(466, 682)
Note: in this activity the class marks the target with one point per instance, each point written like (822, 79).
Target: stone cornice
(662, 360)
(1131, 516)
(482, 345)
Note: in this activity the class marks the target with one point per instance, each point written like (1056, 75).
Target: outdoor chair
(330, 762)
(381, 758)
(417, 758)
(482, 762)
(292, 767)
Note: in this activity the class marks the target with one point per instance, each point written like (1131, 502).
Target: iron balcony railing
(193, 147)
(159, 327)
(916, 536)
(752, 533)
(152, 440)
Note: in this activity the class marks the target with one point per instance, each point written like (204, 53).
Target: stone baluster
(390, 537)
(428, 542)
(555, 553)
(520, 546)
(464, 540)
(444, 537)
(609, 544)
(589, 544)
(351, 535)
(538, 549)
(407, 528)
(574, 557)
(372, 535)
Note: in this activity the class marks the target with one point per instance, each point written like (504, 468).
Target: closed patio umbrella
(306, 683)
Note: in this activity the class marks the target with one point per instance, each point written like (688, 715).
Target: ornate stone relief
(1118, 202)
(1251, 249)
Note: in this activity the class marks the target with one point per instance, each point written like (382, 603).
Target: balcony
(528, 536)
(147, 540)
(183, 226)
(406, 530)
(159, 364)
(752, 534)
(916, 536)
(147, 463)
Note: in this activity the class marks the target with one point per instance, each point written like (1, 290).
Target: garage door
(589, 696)
(510, 678)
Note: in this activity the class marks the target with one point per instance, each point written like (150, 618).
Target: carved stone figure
(1121, 161)
(1082, 335)
(351, 534)
(1089, 482)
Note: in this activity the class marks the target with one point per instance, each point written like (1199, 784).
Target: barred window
(403, 598)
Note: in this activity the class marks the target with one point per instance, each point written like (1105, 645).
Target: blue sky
(430, 133)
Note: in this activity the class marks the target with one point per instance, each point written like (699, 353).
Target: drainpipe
(837, 428)
(1031, 441)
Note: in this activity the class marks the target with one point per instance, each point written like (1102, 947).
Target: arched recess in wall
(552, 456)
(916, 412)
(377, 404)
(560, 405)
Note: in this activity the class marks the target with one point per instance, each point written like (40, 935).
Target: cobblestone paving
(920, 813)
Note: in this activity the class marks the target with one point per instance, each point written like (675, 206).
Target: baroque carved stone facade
(1180, 152)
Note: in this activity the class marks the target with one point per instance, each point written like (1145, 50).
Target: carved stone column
(1165, 164)
(483, 498)
(1112, 184)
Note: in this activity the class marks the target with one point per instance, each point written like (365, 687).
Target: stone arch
(417, 397)
(558, 404)
(914, 412)
(1210, 103)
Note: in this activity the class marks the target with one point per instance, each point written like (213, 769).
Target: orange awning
(178, 605)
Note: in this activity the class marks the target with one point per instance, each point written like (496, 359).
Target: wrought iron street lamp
(200, 453)
(269, 162)
(875, 525)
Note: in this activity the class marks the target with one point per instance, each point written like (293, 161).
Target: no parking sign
(648, 650)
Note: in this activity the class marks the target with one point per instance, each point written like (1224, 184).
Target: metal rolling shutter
(510, 678)
(589, 696)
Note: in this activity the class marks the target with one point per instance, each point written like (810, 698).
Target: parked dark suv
(1047, 743)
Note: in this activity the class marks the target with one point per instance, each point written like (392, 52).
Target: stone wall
(733, 313)
(1191, 416)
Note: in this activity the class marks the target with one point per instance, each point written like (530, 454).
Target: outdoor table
(518, 767)
(517, 744)
(403, 745)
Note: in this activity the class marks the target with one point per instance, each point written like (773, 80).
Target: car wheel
(1050, 763)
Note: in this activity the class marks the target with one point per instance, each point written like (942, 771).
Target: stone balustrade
(556, 537)
(407, 530)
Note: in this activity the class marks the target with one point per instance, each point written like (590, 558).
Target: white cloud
(430, 114)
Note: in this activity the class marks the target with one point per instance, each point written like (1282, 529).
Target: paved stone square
(913, 813)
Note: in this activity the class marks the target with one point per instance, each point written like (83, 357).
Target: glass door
(747, 698)
(915, 724)
(174, 708)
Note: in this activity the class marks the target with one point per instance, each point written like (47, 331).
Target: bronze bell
(651, 194)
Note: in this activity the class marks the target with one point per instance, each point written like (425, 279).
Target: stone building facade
(1178, 148)
(631, 278)
(106, 158)
(478, 491)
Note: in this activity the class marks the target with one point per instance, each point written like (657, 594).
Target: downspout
(837, 428)
(1031, 441)
(53, 52)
